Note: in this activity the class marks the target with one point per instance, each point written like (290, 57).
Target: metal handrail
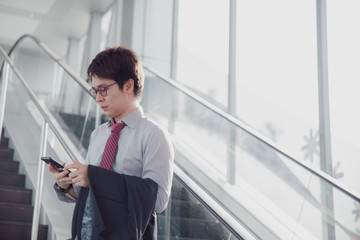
(58, 60)
(54, 56)
(329, 179)
(47, 122)
(34, 99)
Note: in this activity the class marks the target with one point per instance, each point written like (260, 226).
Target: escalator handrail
(322, 175)
(329, 179)
(233, 226)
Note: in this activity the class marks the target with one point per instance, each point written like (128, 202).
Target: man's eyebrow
(100, 86)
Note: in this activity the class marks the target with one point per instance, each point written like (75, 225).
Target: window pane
(277, 72)
(152, 33)
(203, 47)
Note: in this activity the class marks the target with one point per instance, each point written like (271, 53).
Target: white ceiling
(52, 21)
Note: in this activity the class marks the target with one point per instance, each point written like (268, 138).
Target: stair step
(4, 143)
(6, 153)
(12, 179)
(20, 230)
(16, 212)
(15, 195)
(9, 166)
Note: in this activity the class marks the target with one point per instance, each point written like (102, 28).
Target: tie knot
(116, 128)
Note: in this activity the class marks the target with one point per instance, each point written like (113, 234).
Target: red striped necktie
(107, 159)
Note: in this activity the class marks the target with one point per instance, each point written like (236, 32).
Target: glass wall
(282, 199)
(276, 95)
(344, 84)
(276, 65)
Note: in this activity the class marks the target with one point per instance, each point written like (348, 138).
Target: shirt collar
(132, 118)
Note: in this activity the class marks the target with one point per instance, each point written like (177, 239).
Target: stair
(15, 201)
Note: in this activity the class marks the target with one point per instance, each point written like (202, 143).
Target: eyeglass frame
(101, 90)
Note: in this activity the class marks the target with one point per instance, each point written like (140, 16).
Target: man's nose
(99, 98)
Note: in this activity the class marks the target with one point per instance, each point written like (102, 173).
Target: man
(123, 169)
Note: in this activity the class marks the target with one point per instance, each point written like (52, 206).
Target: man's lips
(104, 107)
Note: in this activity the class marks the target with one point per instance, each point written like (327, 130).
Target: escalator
(43, 89)
(229, 181)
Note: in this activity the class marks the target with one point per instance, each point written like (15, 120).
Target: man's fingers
(80, 182)
(62, 174)
(75, 165)
(52, 169)
(65, 180)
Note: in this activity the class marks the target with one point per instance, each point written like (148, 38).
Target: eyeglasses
(101, 90)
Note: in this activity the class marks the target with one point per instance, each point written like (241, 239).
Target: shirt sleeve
(158, 164)
(65, 197)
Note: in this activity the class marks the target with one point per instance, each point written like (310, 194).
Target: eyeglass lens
(101, 90)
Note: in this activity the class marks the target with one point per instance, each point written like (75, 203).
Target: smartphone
(54, 163)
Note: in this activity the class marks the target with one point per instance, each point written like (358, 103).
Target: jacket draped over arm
(115, 206)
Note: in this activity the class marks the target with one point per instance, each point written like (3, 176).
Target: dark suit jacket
(115, 206)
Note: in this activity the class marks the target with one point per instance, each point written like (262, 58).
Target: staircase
(15, 201)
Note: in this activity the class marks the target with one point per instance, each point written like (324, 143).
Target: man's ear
(129, 86)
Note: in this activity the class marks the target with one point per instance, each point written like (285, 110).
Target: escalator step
(190, 228)
(180, 208)
(180, 238)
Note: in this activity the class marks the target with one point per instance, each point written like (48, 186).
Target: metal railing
(44, 132)
(54, 57)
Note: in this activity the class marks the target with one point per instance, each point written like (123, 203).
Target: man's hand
(61, 179)
(80, 176)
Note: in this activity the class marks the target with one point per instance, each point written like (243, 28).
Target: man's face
(116, 103)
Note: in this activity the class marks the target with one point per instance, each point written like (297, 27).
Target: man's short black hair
(120, 64)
